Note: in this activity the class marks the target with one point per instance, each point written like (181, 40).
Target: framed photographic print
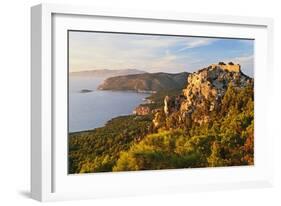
(134, 102)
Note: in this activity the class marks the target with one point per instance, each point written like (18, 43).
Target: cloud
(90, 50)
(109, 51)
(196, 42)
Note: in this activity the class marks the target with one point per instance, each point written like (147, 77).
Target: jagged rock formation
(172, 103)
(203, 93)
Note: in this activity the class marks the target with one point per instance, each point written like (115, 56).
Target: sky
(155, 53)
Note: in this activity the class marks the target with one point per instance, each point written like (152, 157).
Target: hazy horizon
(154, 53)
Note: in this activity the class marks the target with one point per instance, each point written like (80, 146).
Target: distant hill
(146, 82)
(105, 73)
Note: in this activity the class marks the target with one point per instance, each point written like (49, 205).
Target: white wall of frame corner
(15, 101)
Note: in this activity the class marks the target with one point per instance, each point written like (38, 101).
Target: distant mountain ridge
(105, 73)
(152, 82)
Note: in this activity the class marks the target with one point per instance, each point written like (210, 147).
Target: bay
(93, 108)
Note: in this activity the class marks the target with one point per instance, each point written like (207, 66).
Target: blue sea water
(93, 109)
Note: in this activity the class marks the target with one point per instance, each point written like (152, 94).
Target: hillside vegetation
(98, 150)
(210, 123)
(146, 82)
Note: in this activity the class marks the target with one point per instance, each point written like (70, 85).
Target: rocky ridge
(203, 93)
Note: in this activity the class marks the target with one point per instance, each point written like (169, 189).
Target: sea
(92, 109)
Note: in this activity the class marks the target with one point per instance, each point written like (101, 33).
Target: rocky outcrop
(142, 110)
(172, 103)
(231, 67)
(203, 93)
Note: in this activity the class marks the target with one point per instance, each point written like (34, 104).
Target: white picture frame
(49, 181)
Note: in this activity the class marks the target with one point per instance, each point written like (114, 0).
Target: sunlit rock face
(204, 92)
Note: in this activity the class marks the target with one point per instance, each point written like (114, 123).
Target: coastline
(145, 101)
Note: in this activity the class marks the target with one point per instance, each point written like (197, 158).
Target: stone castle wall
(228, 67)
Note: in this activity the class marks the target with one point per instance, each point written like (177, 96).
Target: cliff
(203, 94)
(146, 82)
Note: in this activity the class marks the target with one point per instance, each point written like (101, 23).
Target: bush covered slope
(226, 140)
(146, 82)
(209, 124)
